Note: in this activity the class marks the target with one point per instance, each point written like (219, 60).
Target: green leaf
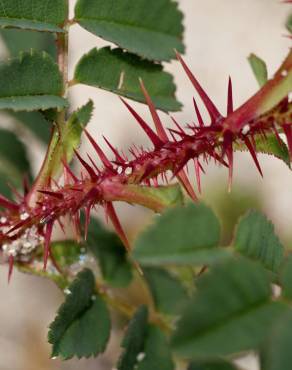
(231, 312)
(33, 14)
(259, 69)
(71, 136)
(289, 23)
(169, 295)
(110, 253)
(255, 238)
(276, 354)
(211, 365)
(17, 41)
(119, 72)
(156, 353)
(182, 235)
(66, 252)
(31, 82)
(149, 28)
(133, 342)
(269, 145)
(82, 325)
(286, 278)
(14, 163)
(35, 122)
(156, 198)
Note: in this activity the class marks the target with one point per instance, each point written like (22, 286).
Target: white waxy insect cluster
(22, 247)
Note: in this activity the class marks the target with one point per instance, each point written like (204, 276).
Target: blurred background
(219, 37)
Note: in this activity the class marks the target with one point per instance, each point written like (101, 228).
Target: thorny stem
(62, 43)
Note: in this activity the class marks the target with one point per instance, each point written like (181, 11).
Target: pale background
(219, 37)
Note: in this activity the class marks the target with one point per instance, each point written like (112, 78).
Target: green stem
(48, 170)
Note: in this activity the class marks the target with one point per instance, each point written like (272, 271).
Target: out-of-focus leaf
(211, 365)
(110, 254)
(82, 325)
(35, 122)
(14, 164)
(31, 82)
(181, 235)
(119, 72)
(276, 353)
(133, 342)
(21, 40)
(289, 23)
(156, 353)
(149, 28)
(286, 278)
(255, 238)
(231, 312)
(259, 69)
(66, 252)
(169, 295)
(33, 14)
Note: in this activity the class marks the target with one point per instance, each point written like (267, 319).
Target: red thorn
(230, 97)
(157, 121)
(77, 226)
(25, 183)
(288, 132)
(277, 135)
(198, 176)
(112, 215)
(87, 220)
(183, 179)
(116, 153)
(10, 267)
(253, 154)
(177, 125)
(93, 164)
(61, 226)
(51, 194)
(8, 204)
(69, 172)
(211, 108)
(229, 153)
(48, 235)
(228, 150)
(99, 151)
(200, 119)
(88, 168)
(157, 142)
(18, 226)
